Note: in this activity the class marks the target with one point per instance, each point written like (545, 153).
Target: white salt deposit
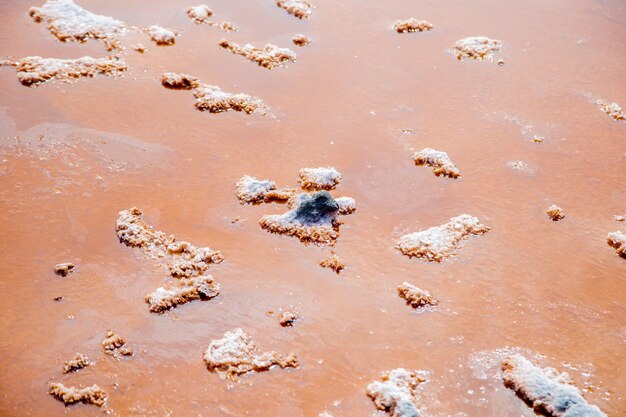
(250, 190)
(555, 213)
(617, 240)
(476, 47)
(347, 205)
(439, 161)
(440, 242)
(300, 40)
(200, 14)
(179, 81)
(71, 395)
(614, 110)
(322, 178)
(396, 393)
(301, 9)
(161, 35)
(212, 99)
(78, 362)
(412, 25)
(415, 297)
(270, 56)
(187, 290)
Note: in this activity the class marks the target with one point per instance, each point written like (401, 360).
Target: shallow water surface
(363, 99)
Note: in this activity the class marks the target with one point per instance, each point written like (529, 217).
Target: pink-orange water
(361, 98)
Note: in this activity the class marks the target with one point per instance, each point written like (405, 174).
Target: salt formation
(555, 213)
(439, 242)
(476, 47)
(412, 25)
(613, 109)
(237, 354)
(270, 56)
(415, 297)
(184, 260)
(347, 205)
(301, 40)
(322, 178)
(313, 219)
(161, 35)
(288, 318)
(139, 48)
(620, 218)
(211, 98)
(333, 262)
(301, 9)
(546, 390)
(201, 14)
(71, 395)
(617, 240)
(33, 70)
(70, 22)
(115, 345)
(64, 269)
(250, 190)
(187, 290)
(439, 161)
(396, 394)
(77, 363)
(179, 81)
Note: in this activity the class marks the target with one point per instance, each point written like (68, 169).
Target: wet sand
(361, 98)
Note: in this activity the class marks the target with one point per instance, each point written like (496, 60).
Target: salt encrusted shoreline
(416, 297)
(270, 56)
(301, 9)
(546, 390)
(412, 25)
(476, 47)
(613, 110)
(71, 395)
(617, 240)
(34, 70)
(236, 354)
(396, 393)
(440, 242)
(78, 362)
(439, 161)
(186, 291)
(321, 178)
(555, 213)
(70, 22)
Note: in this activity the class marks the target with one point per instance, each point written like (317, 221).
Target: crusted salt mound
(200, 14)
(617, 240)
(161, 35)
(115, 345)
(71, 395)
(313, 219)
(64, 269)
(301, 9)
(211, 98)
(412, 25)
(439, 242)
(347, 205)
(34, 70)
(416, 297)
(333, 262)
(396, 394)
(322, 178)
(179, 81)
(555, 213)
(187, 290)
(237, 354)
(613, 109)
(270, 56)
(70, 22)
(250, 190)
(439, 161)
(184, 260)
(288, 318)
(300, 40)
(75, 364)
(619, 218)
(546, 390)
(476, 47)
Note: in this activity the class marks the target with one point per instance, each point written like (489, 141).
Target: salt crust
(115, 345)
(347, 205)
(236, 354)
(70, 22)
(201, 14)
(546, 390)
(300, 40)
(179, 81)
(617, 240)
(415, 297)
(476, 47)
(301, 9)
(187, 290)
(288, 318)
(322, 178)
(412, 25)
(614, 110)
(440, 242)
(250, 190)
(396, 394)
(34, 70)
(75, 364)
(161, 35)
(333, 262)
(439, 161)
(64, 269)
(182, 259)
(71, 395)
(270, 56)
(555, 213)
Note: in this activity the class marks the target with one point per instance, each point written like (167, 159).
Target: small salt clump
(301, 9)
(333, 262)
(200, 13)
(416, 297)
(548, 391)
(617, 240)
(250, 190)
(322, 178)
(301, 40)
(347, 205)
(212, 99)
(614, 110)
(179, 81)
(476, 47)
(396, 394)
(64, 269)
(161, 35)
(187, 290)
(288, 318)
(71, 395)
(412, 25)
(115, 345)
(555, 213)
(270, 56)
(75, 364)
(439, 161)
